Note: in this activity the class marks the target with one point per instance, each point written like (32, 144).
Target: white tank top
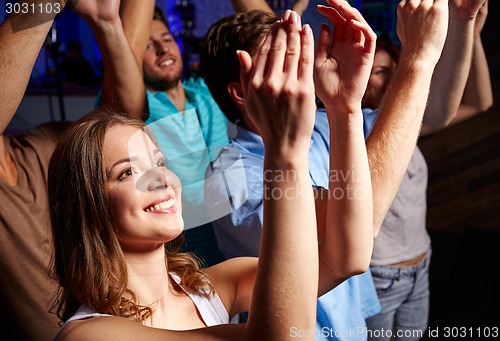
(211, 309)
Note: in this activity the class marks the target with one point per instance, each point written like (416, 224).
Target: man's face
(162, 61)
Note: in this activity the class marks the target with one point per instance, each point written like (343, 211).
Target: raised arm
(422, 26)
(478, 95)
(280, 81)
(123, 88)
(342, 67)
(136, 20)
(452, 71)
(21, 37)
(300, 6)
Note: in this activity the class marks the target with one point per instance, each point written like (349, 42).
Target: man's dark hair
(158, 15)
(219, 63)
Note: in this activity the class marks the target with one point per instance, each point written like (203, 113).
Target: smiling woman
(110, 202)
(142, 191)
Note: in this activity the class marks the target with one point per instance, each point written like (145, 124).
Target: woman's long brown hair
(88, 261)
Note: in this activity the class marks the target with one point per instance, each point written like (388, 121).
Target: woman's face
(381, 74)
(145, 197)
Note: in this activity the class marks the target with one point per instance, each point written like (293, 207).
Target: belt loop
(426, 260)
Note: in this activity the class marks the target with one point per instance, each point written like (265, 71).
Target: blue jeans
(403, 293)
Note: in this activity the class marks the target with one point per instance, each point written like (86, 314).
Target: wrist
(345, 113)
(105, 26)
(290, 153)
(415, 64)
(461, 14)
(285, 168)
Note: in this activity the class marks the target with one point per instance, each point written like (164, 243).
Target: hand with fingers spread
(344, 57)
(278, 84)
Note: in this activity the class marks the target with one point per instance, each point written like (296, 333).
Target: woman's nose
(154, 179)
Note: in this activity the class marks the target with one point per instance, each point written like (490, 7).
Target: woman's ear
(236, 92)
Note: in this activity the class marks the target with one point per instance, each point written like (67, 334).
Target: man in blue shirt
(235, 187)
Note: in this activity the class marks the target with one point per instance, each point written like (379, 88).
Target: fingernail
(286, 15)
(293, 18)
(306, 29)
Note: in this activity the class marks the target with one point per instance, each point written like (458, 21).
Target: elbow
(486, 105)
(353, 268)
(358, 271)
(361, 267)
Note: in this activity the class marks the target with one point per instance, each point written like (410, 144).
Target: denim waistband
(391, 271)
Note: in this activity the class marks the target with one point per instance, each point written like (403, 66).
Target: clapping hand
(344, 57)
(278, 86)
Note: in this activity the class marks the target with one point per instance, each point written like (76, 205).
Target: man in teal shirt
(189, 124)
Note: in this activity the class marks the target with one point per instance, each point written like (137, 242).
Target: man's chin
(161, 84)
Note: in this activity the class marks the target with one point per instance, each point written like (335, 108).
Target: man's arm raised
(394, 135)
(21, 37)
(123, 88)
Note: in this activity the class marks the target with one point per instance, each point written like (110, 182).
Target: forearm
(123, 88)
(288, 254)
(347, 247)
(249, 5)
(478, 95)
(21, 38)
(450, 76)
(394, 135)
(136, 18)
(300, 6)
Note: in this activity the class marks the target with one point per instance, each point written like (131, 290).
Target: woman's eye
(126, 173)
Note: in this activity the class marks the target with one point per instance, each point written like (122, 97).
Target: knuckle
(271, 87)
(254, 84)
(307, 60)
(264, 49)
(278, 46)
